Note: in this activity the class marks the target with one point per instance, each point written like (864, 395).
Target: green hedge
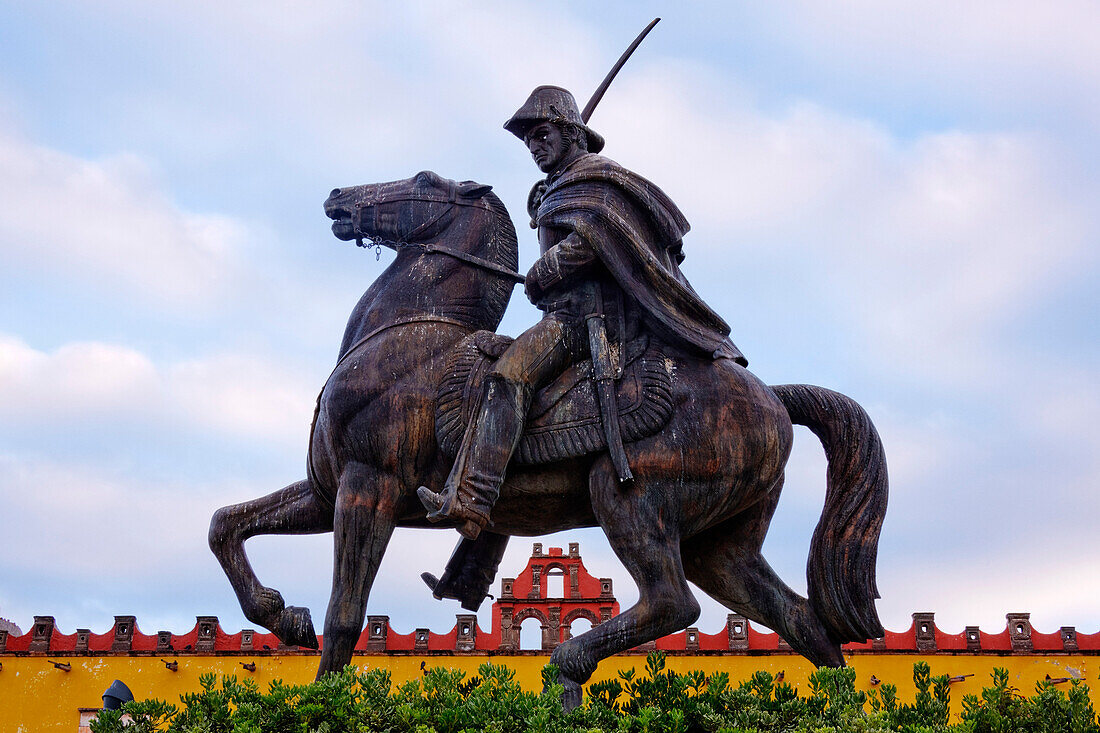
(356, 701)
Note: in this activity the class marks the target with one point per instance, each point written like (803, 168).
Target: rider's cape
(637, 232)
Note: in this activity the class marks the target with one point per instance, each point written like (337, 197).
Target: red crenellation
(527, 596)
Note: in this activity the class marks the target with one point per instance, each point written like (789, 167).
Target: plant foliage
(657, 701)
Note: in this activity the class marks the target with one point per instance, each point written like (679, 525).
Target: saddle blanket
(564, 419)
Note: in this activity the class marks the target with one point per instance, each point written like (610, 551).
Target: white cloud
(243, 394)
(94, 516)
(1054, 582)
(94, 542)
(926, 246)
(109, 224)
(76, 379)
(1011, 53)
(232, 394)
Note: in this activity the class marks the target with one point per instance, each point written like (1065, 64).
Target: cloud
(88, 383)
(1055, 583)
(94, 542)
(109, 223)
(903, 212)
(927, 246)
(94, 516)
(1009, 53)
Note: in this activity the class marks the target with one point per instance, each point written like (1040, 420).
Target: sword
(598, 94)
(603, 375)
(603, 371)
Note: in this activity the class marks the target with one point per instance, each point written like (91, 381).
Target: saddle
(564, 419)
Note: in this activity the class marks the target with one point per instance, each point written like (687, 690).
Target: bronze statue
(706, 441)
(625, 407)
(609, 274)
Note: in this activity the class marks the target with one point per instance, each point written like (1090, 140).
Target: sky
(897, 201)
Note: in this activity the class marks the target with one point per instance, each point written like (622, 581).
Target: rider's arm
(561, 263)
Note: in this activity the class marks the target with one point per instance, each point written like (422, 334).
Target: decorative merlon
(526, 597)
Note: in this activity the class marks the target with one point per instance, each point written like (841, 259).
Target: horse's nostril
(335, 192)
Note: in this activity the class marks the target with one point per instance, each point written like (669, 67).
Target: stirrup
(441, 507)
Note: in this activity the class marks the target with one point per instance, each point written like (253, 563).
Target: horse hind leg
(725, 562)
(366, 509)
(291, 510)
(649, 548)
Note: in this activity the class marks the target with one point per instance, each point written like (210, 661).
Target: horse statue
(706, 483)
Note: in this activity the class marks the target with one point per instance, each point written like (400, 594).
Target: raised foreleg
(725, 562)
(366, 508)
(292, 510)
(648, 545)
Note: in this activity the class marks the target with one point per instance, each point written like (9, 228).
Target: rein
(310, 474)
(401, 322)
(427, 247)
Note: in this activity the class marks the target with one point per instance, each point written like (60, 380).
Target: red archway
(525, 596)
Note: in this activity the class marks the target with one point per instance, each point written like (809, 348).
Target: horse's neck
(413, 287)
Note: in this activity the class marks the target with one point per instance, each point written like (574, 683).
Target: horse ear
(473, 190)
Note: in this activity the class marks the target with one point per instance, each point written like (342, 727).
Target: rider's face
(547, 145)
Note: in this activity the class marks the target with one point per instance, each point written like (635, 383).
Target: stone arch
(577, 613)
(567, 631)
(555, 578)
(521, 639)
(519, 618)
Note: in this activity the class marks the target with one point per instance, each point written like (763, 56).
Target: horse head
(411, 210)
(453, 239)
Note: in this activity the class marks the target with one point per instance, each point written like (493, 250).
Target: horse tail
(841, 566)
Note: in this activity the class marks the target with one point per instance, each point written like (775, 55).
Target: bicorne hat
(551, 104)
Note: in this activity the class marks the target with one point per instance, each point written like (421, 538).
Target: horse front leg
(366, 508)
(292, 510)
(648, 545)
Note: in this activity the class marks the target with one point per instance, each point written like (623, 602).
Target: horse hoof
(809, 638)
(572, 694)
(267, 604)
(295, 628)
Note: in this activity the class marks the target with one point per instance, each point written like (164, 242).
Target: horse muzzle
(343, 221)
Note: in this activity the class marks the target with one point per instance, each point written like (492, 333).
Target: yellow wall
(34, 696)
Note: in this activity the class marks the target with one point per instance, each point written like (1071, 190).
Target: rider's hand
(531, 287)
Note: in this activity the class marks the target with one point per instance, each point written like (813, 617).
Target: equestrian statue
(626, 406)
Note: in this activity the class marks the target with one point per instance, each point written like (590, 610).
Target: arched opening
(578, 626)
(530, 634)
(555, 584)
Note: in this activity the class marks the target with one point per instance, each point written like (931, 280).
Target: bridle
(451, 201)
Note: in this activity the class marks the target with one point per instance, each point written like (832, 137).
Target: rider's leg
(537, 356)
(474, 482)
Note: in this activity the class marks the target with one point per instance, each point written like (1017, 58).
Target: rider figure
(608, 237)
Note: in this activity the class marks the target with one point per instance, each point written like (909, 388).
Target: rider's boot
(474, 482)
(470, 571)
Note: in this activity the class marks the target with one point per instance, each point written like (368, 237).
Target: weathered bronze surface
(706, 472)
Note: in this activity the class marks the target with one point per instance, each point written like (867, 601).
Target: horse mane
(503, 249)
